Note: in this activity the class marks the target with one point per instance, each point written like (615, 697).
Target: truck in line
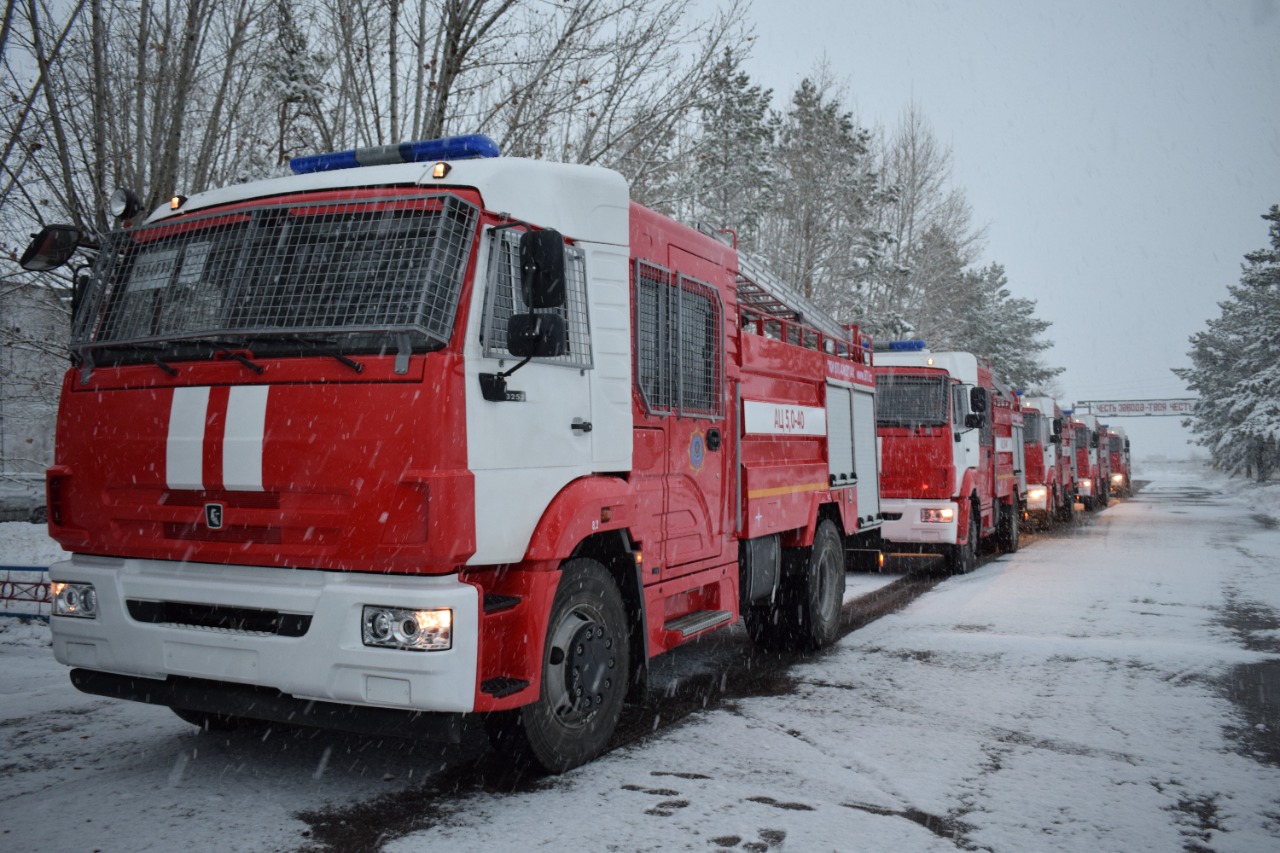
(424, 432)
(952, 454)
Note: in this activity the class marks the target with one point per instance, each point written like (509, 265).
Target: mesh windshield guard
(357, 269)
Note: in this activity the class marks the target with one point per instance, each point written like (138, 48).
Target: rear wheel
(822, 598)
(805, 613)
(584, 676)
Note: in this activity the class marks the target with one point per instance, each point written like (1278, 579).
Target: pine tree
(820, 235)
(735, 174)
(1004, 328)
(1236, 368)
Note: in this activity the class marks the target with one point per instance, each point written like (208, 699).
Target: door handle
(581, 425)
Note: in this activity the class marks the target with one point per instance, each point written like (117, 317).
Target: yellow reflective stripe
(786, 490)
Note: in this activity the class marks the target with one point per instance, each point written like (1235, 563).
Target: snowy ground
(1111, 687)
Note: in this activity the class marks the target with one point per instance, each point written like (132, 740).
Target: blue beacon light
(465, 147)
(906, 346)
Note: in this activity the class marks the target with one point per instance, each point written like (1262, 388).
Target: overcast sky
(1120, 154)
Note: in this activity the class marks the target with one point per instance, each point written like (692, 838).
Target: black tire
(1009, 528)
(584, 677)
(771, 626)
(963, 557)
(805, 614)
(1067, 509)
(821, 595)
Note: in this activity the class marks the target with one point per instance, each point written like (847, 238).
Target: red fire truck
(423, 432)
(1093, 464)
(951, 453)
(1121, 471)
(1050, 477)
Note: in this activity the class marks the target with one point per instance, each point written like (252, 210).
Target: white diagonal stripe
(184, 449)
(242, 441)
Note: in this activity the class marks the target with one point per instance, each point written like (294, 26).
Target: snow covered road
(1111, 687)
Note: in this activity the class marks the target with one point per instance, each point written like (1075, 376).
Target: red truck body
(1121, 469)
(1093, 462)
(344, 449)
(1050, 472)
(952, 468)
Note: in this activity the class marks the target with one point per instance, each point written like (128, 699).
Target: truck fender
(584, 508)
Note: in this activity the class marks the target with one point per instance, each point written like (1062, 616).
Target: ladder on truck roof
(761, 291)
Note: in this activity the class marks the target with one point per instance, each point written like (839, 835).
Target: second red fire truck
(952, 471)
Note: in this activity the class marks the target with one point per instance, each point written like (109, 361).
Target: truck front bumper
(904, 521)
(321, 658)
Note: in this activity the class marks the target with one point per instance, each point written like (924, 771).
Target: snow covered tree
(733, 175)
(1004, 328)
(820, 233)
(1235, 368)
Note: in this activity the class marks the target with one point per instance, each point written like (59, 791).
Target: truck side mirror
(51, 248)
(542, 269)
(1055, 439)
(975, 421)
(1057, 426)
(1093, 439)
(978, 400)
(537, 335)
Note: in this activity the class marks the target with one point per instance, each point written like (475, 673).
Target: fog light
(938, 515)
(413, 630)
(74, 599)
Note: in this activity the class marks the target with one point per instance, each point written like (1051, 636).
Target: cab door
(523, 447)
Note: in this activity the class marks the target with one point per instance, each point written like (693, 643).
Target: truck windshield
(1031, 427)
(910, 401)
(281, 275)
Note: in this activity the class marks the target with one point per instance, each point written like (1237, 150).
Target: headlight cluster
(937, 515)
(1037, 494)
(1117, 479)
(413, 630)
(74, 599)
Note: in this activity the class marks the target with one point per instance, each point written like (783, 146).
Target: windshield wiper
(240, 357)
(150, 353)
(322, 346)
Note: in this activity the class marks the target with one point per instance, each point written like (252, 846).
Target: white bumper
(909, 527)
(328, 663)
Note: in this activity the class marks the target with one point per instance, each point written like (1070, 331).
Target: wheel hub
(589, 667)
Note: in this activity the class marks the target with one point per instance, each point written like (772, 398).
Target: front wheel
(584, 676)
(963, 557)
(1009, 528)
(1067, 508)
